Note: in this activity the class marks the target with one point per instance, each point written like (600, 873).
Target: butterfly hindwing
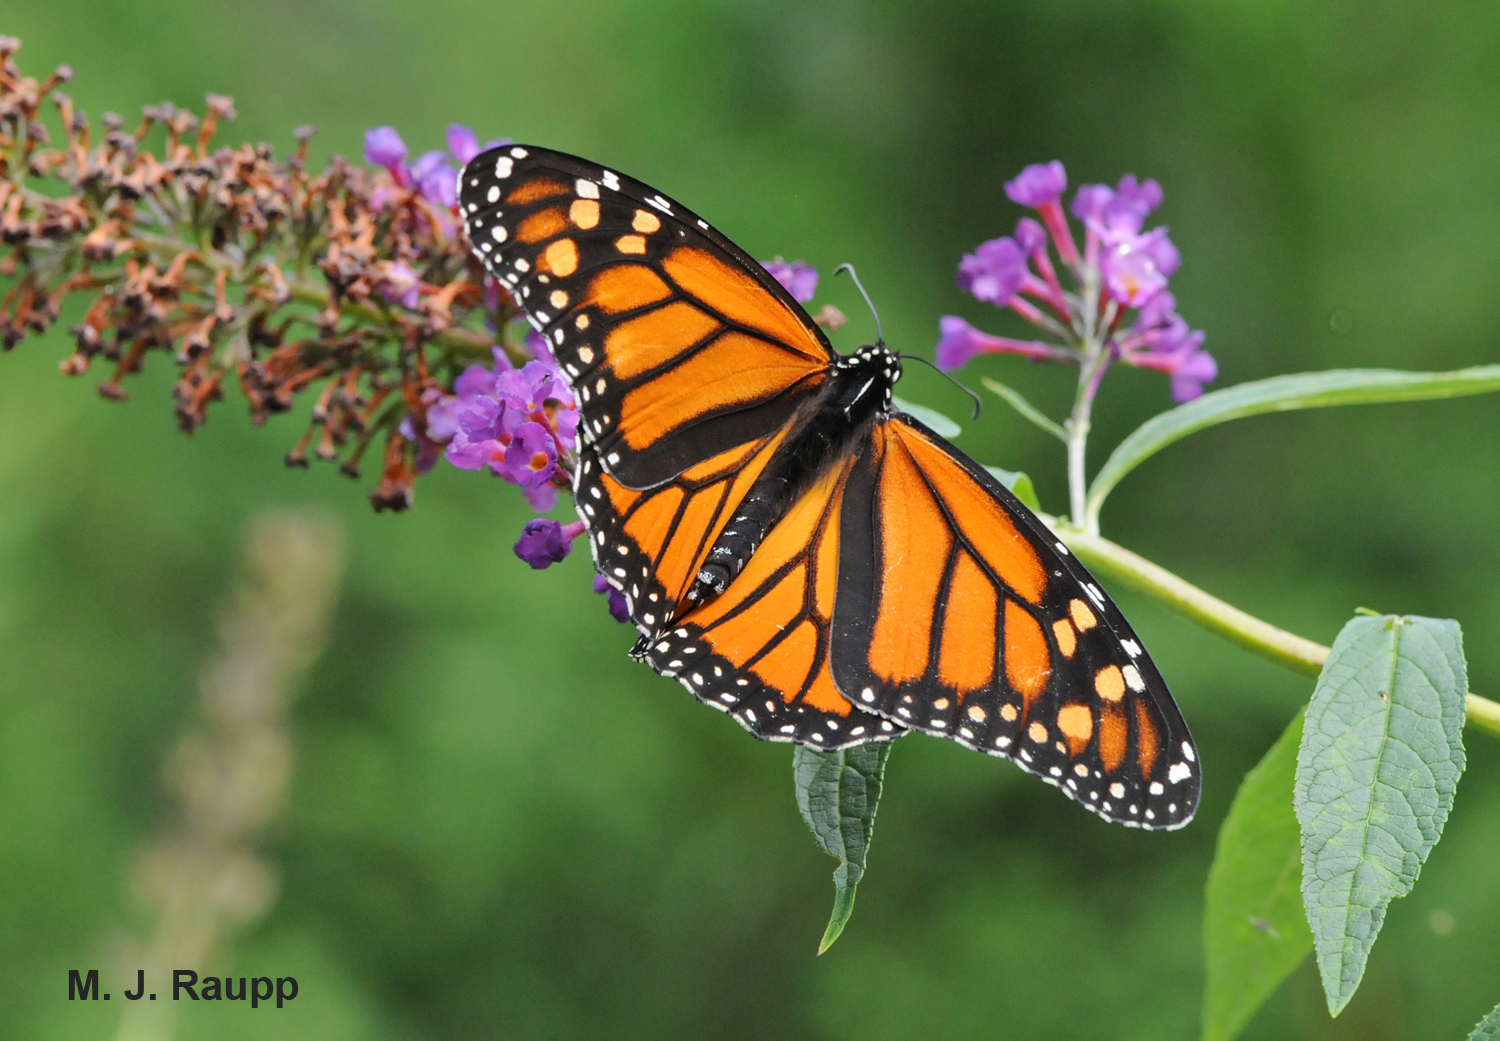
(679, 346)
(959, 614)
(759, 650)
(650, 544)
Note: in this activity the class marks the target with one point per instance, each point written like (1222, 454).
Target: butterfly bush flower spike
(345, 285)
(1123, 268)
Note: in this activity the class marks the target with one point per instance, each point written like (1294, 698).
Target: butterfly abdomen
(858, 393)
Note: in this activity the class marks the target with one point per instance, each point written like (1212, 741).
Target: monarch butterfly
(793, 548)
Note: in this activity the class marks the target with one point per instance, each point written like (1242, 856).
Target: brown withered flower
(353, 284)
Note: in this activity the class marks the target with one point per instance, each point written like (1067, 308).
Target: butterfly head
(872, 372)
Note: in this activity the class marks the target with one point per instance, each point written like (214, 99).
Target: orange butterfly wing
(650, 544)
(958, 613)
(759, 650)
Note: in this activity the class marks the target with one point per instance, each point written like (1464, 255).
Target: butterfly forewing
(679, 346)
(960, 614)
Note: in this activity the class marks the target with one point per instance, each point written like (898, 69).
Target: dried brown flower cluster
(247, 269)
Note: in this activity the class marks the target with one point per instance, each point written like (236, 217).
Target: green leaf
(1027, 410)
(837, 793)
(1488, 1028)
(1381, 754)
(1282, 394)
(1254, 932)
(939, 423)
(1019, 484)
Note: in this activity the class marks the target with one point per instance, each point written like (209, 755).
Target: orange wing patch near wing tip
(560, 258)
(1109, 683)
(584, 213)
(1083, 617)
(542, 225)
(1067, 639)
(537, 189)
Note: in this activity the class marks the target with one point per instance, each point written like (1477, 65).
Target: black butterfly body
(793, 548)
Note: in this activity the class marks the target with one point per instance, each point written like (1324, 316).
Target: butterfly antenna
(947, 376)
(879, 336)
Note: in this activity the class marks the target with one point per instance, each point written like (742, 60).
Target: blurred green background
(499, 827)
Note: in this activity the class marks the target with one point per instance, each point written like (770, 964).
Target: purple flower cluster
(1128, 266)
(520, 423)
(433, 176)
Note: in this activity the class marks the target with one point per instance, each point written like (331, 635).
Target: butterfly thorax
(856, 396)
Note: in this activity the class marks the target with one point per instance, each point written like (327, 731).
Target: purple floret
(618, 609)
(797, 278)
(994, 271)
(1038, 184)
(543, 543)
(384, 147)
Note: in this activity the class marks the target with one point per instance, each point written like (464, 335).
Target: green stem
(1244, 630)
(1077, 425)
(1484, 714)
